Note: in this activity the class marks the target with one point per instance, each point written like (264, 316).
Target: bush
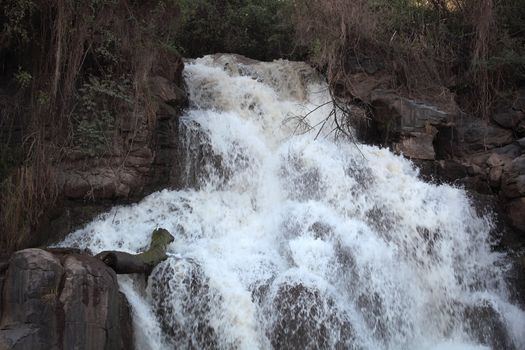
(259, 29)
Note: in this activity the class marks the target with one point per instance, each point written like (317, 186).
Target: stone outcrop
(487, 156)
(143, 155)
(410, 125)
(61, 300)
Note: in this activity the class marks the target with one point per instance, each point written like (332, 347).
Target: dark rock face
(410, 126)
(62, 301)
(305, 319)
(143, 155)
(183, 301)
(486, 326)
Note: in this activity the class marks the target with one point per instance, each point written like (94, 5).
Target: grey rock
(478, 135)
(62, 301)
(508, 120)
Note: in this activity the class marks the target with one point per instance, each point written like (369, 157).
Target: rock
(515, 279)
(513, 185)
(510, 151)
(167, 91)
(418, 146)
(476, 135)
(495, 176)
(103, 182)
(303, 318)
(410, 125)
(63, 301)
(185, 304)
(521, 142)
(411, 114)
(516, 213)
(519, 102)
(485, 325)
(496, 160)
(508, 120)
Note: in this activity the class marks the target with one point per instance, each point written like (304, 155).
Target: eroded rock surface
(62, 301)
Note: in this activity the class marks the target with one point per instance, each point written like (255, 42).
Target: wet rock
(516, 213)
(304, 318)
(67, 301)
(371, 307)
(515, 279)
(183, 302)
(486, 326)
(411, 114)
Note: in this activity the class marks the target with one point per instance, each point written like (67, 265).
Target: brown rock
(495, 176)
(411, 114)
(419, 146)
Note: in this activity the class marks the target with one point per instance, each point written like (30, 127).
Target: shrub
(260, 29)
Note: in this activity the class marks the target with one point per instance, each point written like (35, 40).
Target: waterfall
(290, 237)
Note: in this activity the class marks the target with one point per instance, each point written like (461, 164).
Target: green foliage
(260, 29)
(94, 119)
(23, 78)
(16, 14)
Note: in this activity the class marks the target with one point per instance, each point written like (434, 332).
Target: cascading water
(290, 241)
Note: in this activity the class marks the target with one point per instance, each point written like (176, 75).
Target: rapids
(288, 240)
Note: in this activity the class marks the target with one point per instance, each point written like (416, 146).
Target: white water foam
(288, 241)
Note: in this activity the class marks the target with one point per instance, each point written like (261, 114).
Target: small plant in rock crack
(99, 101)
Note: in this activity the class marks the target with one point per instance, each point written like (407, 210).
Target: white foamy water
(286, 241)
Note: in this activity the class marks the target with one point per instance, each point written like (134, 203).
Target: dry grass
(423, 45)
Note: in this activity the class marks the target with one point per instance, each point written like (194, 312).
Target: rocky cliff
(143, 155)
(485, 156)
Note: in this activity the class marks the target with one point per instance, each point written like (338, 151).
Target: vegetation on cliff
(475, 48)
(66, 68)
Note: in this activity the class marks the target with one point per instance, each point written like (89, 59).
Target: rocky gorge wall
(143, 156)
(65, 298)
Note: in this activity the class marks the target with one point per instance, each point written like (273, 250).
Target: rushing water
(285, 240)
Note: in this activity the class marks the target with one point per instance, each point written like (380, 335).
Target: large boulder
(484, 323)
(62, 301)
(410, 126)
(304, 318)
(185, 304)
(476, 135)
